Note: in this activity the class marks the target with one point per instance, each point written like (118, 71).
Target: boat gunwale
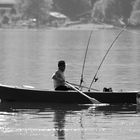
(31, 88)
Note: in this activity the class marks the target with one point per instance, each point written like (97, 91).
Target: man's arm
(57, 76)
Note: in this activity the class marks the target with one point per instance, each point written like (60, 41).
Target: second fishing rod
(95, 76)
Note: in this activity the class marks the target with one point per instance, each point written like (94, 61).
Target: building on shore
(6, 9)
(57, 19)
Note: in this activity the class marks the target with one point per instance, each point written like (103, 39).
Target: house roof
(7, 1)
(57, 15)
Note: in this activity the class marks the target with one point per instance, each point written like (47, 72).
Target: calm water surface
(68, 122)
(29, 57)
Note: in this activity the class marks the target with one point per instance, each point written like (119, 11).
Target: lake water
(29, 57)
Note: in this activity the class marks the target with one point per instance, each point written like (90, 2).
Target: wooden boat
(28, 94)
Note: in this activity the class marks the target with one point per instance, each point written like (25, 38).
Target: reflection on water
(59, 121)
(12, 116)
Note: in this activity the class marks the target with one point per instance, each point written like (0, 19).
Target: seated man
(59, 78)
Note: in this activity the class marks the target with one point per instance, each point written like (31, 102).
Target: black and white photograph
(69, 69)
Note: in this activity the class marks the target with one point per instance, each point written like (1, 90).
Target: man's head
(61, 65)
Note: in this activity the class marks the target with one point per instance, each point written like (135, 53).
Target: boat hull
(16, 94)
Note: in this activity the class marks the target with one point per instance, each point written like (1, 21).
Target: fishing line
(95, 76)
(81, 80)
(120, 28)
(129, 31)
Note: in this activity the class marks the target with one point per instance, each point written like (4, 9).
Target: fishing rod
(95, 76)
(83, 86)
(81, 80)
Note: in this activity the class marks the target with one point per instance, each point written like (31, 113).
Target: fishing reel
(95, 79)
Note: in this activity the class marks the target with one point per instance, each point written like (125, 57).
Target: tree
(136, 5)
(135, 15)
(105, 10)
(73, 8)
(108, 10)
(35, 9)
(126, 7)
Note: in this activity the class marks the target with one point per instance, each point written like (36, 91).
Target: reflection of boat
(116, 109)
(35, 107)
(119, 109)
(27, 94)
(53, 115)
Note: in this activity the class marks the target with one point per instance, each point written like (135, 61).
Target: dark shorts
(65, 88)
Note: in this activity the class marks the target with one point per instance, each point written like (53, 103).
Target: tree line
(105, 11)
(102, 11)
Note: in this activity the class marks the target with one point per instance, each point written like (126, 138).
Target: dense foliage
(106, 11)
(135, 14)
(73, 8)
(35, 9)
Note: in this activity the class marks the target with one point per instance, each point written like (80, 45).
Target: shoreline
(88, 26)
(79, 26)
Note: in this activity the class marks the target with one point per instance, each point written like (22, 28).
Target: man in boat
(59, 77)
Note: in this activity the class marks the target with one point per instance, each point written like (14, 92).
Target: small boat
(31, 94)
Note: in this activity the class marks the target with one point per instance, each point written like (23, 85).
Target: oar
(94, 101)
(83, 86)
